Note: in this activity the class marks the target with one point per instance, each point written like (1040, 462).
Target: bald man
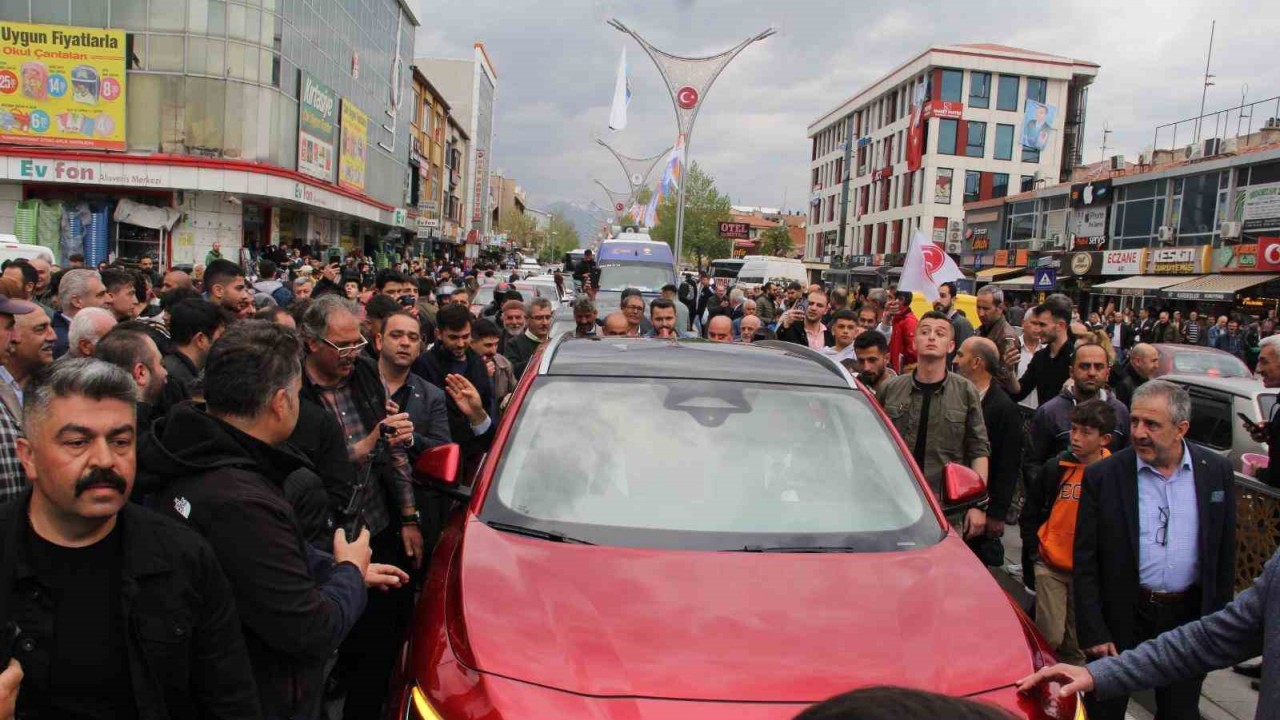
(175, 279)
(616, 325)
(978, 361)
(1144, 361)
(720, 329)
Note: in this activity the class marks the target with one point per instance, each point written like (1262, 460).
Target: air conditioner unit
(1211, 147)
(1117, 162)
(955, 224)
(1193, 152)
(1272, 124)
(1165, 234)
(954, 247)
(1230, 146)
(1055, 241)
(1037, 177)
(1230, 231)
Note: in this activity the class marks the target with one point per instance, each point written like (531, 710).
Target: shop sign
(978, 239)
(1001, 259)
(1097, 192)
(944, 109)
(1089, 226)
(62, 86)
(428, 223)
(1259, 206)
(1236, 258)
(1081, 263)
(1080, 242)
(317, 127)
(477, 198)
(398, 217)
(1269, 254)
(87, 173)
(430, 207)
(1122, 262)
(1177, 261)
(1021, 258)
(353, 156)
(735, 230)
(856, 260)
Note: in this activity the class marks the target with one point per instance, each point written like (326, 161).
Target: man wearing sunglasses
(1154, 544)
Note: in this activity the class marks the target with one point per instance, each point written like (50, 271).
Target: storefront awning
(1139, 285)
(1025, 282)
(1215, 288)
(995, 273)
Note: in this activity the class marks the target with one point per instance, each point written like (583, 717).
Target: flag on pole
(926, 267)
(621, 95)
(915, 135)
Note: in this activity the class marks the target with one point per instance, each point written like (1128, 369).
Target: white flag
(926, 267)
(621, 95)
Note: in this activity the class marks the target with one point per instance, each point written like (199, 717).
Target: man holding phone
(803, 325)
(1269, 430)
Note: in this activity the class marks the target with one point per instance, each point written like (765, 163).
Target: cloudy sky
(556, 62)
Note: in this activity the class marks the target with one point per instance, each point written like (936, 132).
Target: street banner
(317, 127)
(926, 267)
(1258, 206)
(621, 95)
(915, 135)
(355, 147)
(1037, 124)
(61, 86)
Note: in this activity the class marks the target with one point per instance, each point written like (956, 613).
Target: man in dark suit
(1155, 542)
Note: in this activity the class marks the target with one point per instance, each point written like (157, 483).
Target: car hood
(724, 626)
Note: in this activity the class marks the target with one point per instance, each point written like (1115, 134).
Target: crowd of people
(215, 468)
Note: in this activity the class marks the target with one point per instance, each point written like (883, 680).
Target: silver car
(1215, 402)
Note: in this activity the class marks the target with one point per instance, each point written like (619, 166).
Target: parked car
(583, 577)
(759, 269)
(11, 249)
(1215, 402)
(1193, 359)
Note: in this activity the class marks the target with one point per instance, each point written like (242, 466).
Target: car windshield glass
(649, 278)
(1216, 364)
(681, 464)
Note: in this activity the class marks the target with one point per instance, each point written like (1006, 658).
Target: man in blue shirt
(1155, 542)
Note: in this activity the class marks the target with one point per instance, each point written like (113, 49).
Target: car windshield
(681, 464)
(649, 278)
(1217, 364)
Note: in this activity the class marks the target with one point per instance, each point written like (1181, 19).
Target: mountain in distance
(584, 217)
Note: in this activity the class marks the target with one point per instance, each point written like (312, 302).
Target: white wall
(207, 217)
(10, 196)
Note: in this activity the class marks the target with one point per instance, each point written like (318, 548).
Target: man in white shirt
(1030, 344)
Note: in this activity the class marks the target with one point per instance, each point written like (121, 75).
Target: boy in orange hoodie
(1049, 522)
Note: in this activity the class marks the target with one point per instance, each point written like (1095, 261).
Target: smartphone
(1010, 343)
(1249, 425)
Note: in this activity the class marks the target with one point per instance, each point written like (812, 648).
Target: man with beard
(114, 612)
(453, 366)
(338, 376)
(946, 304)
(13, 481)
(224, 285)
(803, 326)
(131, 349)
(484, 341)
(399, 344)
(521, 349)
(514, 320)
(992, 323)
(584, 318)
(664, 319)
(872, 352)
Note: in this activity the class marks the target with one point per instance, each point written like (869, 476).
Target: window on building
(952, 85)
(972, 185)
(1000, 185)
(1030, 155)
(975, 144)
(947, 136)
(979, 89)
(1004, 142)
(1007, 93)
(1026, 183)
(1137, 214)
(1021, 225)
(1199, 208)
(1037, 89)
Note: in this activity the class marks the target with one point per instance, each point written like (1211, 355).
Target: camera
(407, 300)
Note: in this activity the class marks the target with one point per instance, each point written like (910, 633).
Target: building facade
(992, 119)
(457, 151)
(262, 123)
(427, 175)
(471, 86)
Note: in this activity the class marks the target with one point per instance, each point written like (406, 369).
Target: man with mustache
(30, 349)
(13, 481)
(224, 285)
(399, 344)
(113, 611)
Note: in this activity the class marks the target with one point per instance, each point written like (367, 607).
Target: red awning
(749, 244)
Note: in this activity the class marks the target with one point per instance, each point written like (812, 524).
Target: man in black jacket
(1155, 541)
(193, 326)
(979, 362)
(804, 326)
(1143, 362)
(454, 367)
(521, 348)
(1121, 334)
(112, 610)
(227, 470)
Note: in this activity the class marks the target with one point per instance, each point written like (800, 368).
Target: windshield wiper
(797, 549)
(533, 532)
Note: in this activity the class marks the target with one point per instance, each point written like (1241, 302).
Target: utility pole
(1207, 82)
(1106, 133)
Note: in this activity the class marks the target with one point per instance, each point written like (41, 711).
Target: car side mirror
(440, 469)
(962, 488)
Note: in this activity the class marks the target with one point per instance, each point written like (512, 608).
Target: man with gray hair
(1268, 431)
(520, 349)
(12, 478)
(992, 323)
(87, 329)
(103, 582)
(1154, 542)
(77, 290)
(584, 318)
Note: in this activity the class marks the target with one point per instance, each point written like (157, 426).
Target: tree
(704, 209)
(562, 236)
(777, 241)
(518, 227)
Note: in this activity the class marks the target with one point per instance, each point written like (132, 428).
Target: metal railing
(1239, 121)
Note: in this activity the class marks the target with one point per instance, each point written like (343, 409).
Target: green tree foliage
(561, 237)
(776, 241)
(518, 227)
(704, 209)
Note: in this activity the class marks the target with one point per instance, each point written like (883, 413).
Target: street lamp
(688, 80)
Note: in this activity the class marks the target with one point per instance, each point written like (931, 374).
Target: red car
(700, 530)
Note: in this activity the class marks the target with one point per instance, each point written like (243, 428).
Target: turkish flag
(915, 133)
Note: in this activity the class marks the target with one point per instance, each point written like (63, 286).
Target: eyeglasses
(1162, 532)
(346, 351)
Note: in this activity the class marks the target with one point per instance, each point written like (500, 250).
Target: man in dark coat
(1154, 543)
(452, 366)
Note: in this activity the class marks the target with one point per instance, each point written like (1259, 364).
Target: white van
(760, 269)
(11, 249)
